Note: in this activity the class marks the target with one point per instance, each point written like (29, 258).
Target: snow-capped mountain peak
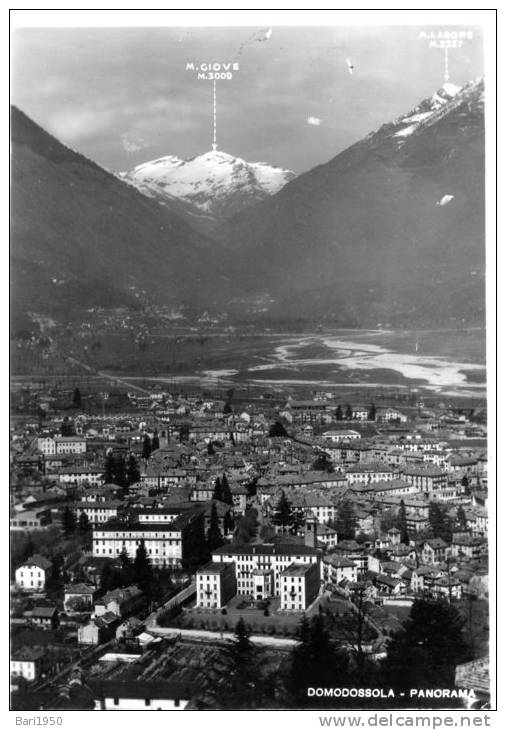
(214, 184)
(433, 108)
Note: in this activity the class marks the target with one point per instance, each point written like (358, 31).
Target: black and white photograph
(251, 457)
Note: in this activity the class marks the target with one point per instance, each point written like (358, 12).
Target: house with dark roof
(434, 551)
(99, 630)
(45, 616)
(28, 662)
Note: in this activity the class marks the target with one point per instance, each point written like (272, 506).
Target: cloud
(132, 143)
(77, 124)
(314, 121)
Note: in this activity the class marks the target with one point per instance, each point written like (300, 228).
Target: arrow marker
(215, 146)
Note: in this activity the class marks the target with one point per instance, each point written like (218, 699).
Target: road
(211, 636)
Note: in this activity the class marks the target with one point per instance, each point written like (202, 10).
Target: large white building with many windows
(258, 567)
(216, 584)
(165, 544)
(299, 585)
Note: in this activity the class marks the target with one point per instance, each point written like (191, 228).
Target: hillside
(80, 237)
(391, 230)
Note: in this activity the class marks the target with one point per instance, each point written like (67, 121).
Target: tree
(214, 536)
(67, 427)
(403, 523)
(83, 523)
(109, 578)
(77, 605)
(247, 528)
(439, 522)
(226, 493)
(282, 512)
(339, 413)
(109, 469)
(349, 413)
(155, 442)
(277, 429)
(146, 447)
(371, 416)
(195, 550)
(239, 681)
(76, 398)
(461, 518)
(465, 483)
(357, 631)
(426, 653)
(142, 570)
(314, 663)
(133, 474)
(55, 579)
(128, 573)
(120, 471)
(69, 521)
(346, 522)
(218, 490)
(323, 462)
(228, 524)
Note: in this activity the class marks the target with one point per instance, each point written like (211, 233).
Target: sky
(123, 96)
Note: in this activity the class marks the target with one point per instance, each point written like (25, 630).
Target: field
(442, 360)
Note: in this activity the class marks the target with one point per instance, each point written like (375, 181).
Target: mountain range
(209, 188)
(391, 230)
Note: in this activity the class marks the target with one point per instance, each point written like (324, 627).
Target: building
(336, 568)
(100, 512)
(369, 473)
(386, 415)
(100, 629)
(165, 544)
(32, 575)
(258, 567)
(45, 616)
(447, 587)
(92, 475)
(341, 436)
(216, 584)
(78, 597)
(299, 585)
(140, 694)
(53, 445)
(27, 662)
(394, 488)
(30, 519)
(120, 602)
(426, 478)
(434, 551)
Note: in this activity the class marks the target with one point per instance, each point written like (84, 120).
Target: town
(161, 538)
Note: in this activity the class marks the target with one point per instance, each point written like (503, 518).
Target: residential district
(191, 551)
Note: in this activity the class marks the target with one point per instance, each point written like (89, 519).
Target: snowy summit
(431, 109)
(215, 184)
